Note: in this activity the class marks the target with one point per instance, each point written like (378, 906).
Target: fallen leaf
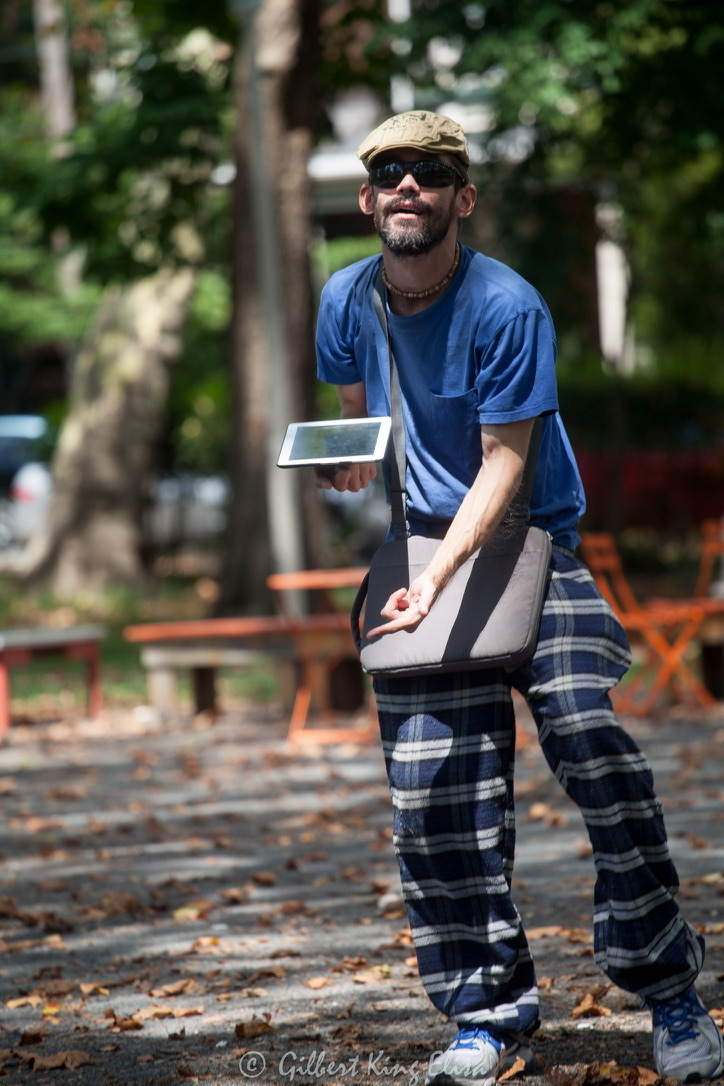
(119, 903)
(163, 1011)
(177, 987)
(518, 1068)
(255, 1026)
(193, 910)
(70, 1060)
(589, 1006)
(544, 812)
(24, 1001)
(89, 988)
(352, 964)
(208, 943)
(270, 971)
(293, 906)
(577, 935)
(10, 911)
(317, 982)
(264, 878)
(235, 895)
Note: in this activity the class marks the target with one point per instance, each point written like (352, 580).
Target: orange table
(322, 642)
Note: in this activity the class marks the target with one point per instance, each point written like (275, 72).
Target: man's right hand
(351, 477)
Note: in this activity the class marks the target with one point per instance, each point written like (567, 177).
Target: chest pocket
(457, 432)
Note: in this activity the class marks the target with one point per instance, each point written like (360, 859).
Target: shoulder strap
(398, 461)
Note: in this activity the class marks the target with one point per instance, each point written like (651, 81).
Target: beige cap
(420, 129)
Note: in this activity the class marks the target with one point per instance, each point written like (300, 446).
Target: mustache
(408, 203)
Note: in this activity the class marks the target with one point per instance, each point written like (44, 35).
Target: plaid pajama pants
(449, 745)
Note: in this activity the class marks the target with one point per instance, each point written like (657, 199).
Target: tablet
(339, 441)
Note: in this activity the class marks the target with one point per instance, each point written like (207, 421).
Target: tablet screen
(339, 441)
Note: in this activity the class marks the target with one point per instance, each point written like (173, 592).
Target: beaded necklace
(417, 294)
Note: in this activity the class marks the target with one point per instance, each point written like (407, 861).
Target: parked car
(182, 508)
(20, 436)
(20, 440)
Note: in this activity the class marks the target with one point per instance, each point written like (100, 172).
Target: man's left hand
(406, 608)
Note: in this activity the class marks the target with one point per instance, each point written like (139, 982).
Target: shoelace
(680, 1018)
(468, 1035)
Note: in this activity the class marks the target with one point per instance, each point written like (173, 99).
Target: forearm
(482, 510)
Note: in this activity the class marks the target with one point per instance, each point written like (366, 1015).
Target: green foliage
(35, 308)
(199, 407)
(330, 256)
(620, 101)
(130, 190)
(135, 189)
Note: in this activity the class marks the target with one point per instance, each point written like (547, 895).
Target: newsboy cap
(419, 129)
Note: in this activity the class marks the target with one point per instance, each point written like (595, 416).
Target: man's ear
(465, 200)
(367, 199)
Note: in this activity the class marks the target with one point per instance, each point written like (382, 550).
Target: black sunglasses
(429, 174)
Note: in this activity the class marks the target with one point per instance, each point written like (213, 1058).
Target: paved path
(178, 898)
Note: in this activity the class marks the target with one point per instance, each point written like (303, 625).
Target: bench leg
(4, 700)
(163, 690)
(204, 679)
(93, 679)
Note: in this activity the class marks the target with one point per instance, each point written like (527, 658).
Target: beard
(412, 237)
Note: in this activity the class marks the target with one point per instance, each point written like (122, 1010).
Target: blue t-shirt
(483, 353)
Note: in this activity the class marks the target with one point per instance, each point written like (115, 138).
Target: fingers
(352, 477)
(406, 608)
(401, 612)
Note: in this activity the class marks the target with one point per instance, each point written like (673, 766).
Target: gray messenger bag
(488, 615)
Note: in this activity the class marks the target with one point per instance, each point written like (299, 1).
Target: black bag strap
(398, 461)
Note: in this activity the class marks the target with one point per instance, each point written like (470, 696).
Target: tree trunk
(101, 468)
(56, 81)
(286, 35)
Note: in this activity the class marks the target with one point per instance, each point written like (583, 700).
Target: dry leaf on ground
(255, 1026)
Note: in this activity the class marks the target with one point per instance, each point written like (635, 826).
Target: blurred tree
(126, 194)
(287, 40)
(134, 189)
(118, 396)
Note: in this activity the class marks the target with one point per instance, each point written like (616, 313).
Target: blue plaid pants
(449, 743)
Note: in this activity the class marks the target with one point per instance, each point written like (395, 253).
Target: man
(475, 349)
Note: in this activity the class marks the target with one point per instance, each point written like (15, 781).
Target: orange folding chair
(665, 628)
(711, 551)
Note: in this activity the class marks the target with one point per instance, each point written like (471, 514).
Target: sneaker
(477, 1057)
(687, 1042)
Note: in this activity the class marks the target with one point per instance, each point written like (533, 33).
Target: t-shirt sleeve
(336, 363)
(516, 379)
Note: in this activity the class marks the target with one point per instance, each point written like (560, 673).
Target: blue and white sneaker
(687, 1042)
(477, 1057)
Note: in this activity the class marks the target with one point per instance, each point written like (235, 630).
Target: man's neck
(416, 282)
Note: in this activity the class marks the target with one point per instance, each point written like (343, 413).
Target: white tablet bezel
(384, 424)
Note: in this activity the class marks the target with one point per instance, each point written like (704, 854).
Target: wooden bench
(20, 646)
(317, 644)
